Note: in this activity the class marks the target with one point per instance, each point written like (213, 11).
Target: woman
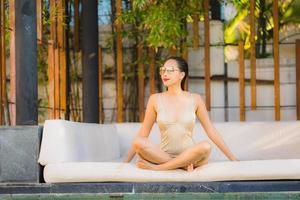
(175, 111)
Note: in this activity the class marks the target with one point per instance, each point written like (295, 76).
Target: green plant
(238, 28)
(160, 23)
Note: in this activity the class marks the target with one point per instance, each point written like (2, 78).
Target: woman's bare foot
(201, 162)
(189, 168)
(144, 164)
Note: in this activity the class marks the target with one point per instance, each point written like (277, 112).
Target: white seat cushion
(215, 171)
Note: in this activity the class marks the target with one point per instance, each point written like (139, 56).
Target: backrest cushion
(66, 141)
(256, 140)
(246, 140)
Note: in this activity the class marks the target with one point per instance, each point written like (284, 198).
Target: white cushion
(256, 140)
(216, 171)
(247, 140)
(65, 141)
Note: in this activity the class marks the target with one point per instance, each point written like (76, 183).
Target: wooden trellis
(101, 111)
(12, 63)
(141, 83)
(3, 100)
(152, 70)
(39, 20)
(242, 81)
(185, 55)
(276, 61)
(297, 54)
(252, 55)
(196, 31)
(57, 61)
(207, 55)
(119, 64)
(173, 51)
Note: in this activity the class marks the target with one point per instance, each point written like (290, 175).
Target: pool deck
(148, 187)
(279, 189)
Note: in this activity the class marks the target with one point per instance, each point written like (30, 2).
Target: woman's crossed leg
(152, 157)
(149, 151)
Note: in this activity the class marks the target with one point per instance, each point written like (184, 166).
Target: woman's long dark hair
(183, 67)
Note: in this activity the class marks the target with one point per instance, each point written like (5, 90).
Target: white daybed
(83, 152)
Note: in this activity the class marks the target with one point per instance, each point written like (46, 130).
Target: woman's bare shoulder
(197, 98)
(196, 95)
(153, 98)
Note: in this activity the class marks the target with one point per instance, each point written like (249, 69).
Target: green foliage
(290, 12)
(238, 27)
(160, 23)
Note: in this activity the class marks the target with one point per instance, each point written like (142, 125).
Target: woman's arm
(130, 154)
(211, 131)
(149, 119)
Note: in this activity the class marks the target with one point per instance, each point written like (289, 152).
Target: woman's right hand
(126, 161)
(130, 155)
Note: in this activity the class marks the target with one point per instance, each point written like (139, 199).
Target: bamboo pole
(2, 64)
(39, 14)
(5, 105)
(298, 78)
(78, 100)
(75, 88)
(242, 80)
(51, 82)
(276, 61)
(62, 67)
(207, 55)
(185, 55)
(141, 83)
(101, 111)
(76, 25)
(185, 52)
(53, 19)
(12, 62)
(61, 37)
(63, 83)
(195, 31)
(152, 70)
(73, 110)
(252, 55)
(173, 51)
(119, 64)
(57, 60)
(56, 84)
(53, 64)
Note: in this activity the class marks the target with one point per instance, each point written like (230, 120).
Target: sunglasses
(162, 70)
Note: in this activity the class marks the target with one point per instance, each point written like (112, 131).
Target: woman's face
(170, 73)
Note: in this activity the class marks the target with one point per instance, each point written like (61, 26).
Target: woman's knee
(204, 147)
(138, 143)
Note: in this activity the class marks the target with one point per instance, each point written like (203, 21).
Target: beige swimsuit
(176, 123)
